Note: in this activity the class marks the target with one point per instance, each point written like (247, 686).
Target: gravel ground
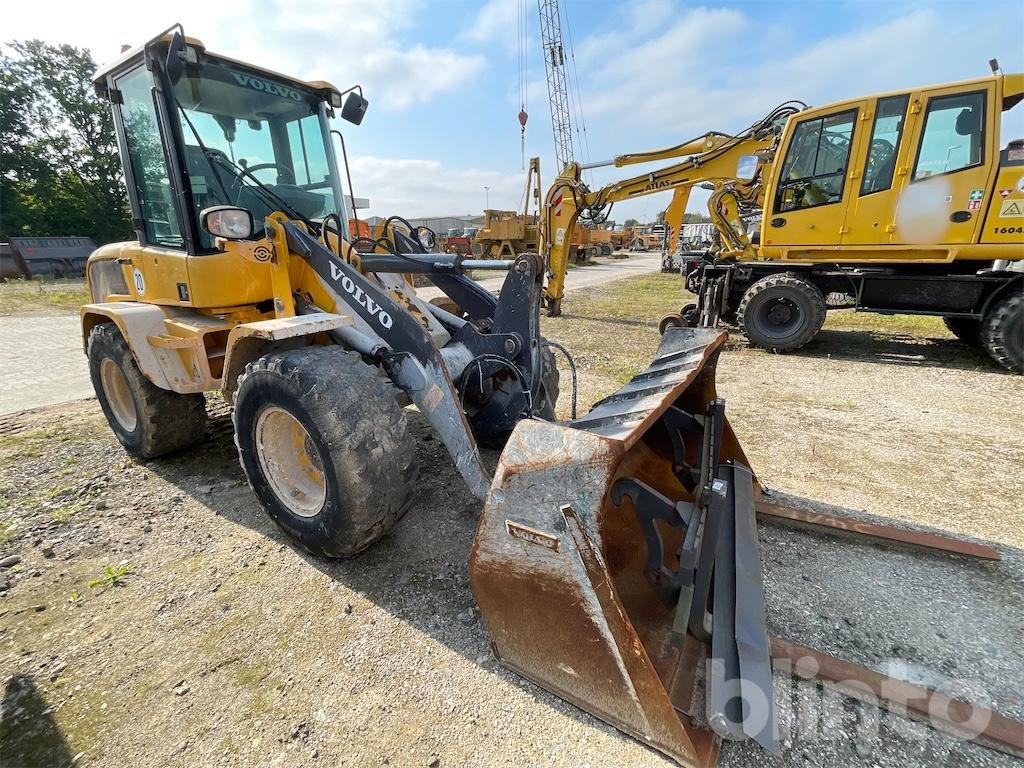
(211, 641)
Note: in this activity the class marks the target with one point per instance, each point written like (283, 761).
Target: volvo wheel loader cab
(616, 553)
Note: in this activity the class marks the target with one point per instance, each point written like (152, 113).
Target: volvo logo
(258, 84)
(357, 293)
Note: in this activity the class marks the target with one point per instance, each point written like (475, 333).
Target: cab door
(812, 191)
(879, 172)
(949, 179)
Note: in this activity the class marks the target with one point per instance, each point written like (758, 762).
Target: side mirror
(355, 108)
(174, 64)
(228, 222)
(746, 167)
(427, 238)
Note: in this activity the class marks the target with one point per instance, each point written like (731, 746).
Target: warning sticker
(1005, 193)
(1020, 185)
(977, 194)
(1011, 209)
(559, 235)
(973, 205)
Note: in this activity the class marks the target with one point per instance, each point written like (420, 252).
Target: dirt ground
(151, 615)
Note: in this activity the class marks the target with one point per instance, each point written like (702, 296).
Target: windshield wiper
(211, 157)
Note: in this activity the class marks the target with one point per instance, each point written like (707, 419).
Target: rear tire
(1002, 332)
(325, 447)
(148, 420)
(781, 312)
(965, 329)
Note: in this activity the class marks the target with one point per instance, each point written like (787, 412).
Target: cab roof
(137, 52)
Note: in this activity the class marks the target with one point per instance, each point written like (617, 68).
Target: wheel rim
(290, 462)
(118, 395)
(783, 316)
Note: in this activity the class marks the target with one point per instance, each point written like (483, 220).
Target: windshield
(269, 128)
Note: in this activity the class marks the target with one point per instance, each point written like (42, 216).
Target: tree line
(60, 174)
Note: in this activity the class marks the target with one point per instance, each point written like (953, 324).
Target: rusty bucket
(616, 561)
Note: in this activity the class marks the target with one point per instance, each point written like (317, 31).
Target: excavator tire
(966, 329)
(781, 312)
(1002, 332)
(149, 421)
(325, 447)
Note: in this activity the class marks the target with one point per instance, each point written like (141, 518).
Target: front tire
(966, 329)
(1002, 332)
(325, 448)
(781, 312)
(147, 420)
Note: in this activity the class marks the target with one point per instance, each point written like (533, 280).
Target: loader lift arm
(715, 157)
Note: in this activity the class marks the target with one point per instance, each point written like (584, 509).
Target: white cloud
(421, 188)
(342, 41)
(496, 20)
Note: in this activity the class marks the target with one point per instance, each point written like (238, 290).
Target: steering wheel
(880, 154)
(281, 170)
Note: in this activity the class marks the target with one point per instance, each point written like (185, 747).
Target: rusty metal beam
(956, 716)
(820, 520)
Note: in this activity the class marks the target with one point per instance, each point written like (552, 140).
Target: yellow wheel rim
(290, 462)
(118, 395)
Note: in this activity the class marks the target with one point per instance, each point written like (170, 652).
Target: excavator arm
(717, 158)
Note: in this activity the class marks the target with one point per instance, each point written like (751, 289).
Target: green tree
(696, 218)
(631, 223)
(60, 173)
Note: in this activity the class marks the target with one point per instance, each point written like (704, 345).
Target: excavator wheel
(781, 312)
(966, 329)
(690, 314)
(1002, 332)
(325, 447)
(149, 421)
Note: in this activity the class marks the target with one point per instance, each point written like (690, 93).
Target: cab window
(151, 182)
(814, 169)
(885, 142)
(954, 135)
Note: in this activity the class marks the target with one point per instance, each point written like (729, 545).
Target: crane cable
(522, 49)
(574, 91)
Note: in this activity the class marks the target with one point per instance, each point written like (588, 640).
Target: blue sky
(442, 77)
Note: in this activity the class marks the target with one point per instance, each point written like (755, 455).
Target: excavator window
(885, 141)
(149, 177)
(953, 136)
(815, 166)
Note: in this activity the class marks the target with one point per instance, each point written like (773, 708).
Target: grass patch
(914, 325)
(8, 531)
(23, 296)
(113, 575)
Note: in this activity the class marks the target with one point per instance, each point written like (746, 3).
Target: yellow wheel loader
(616, 558)
(906, 202)
(507, 233)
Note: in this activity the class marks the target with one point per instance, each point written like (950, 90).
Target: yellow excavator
(904, 202)
(616, 559)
